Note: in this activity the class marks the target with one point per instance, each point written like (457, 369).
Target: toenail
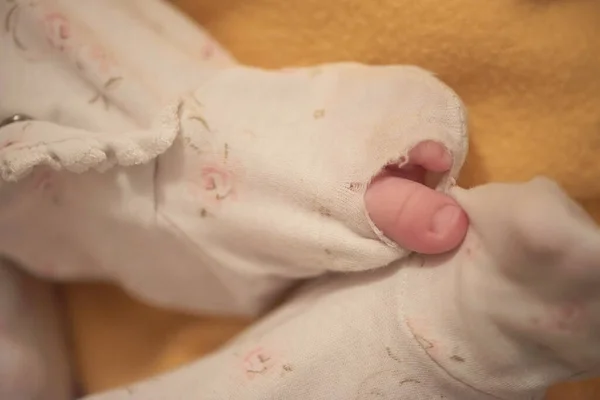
(445, 219)
(446, 156)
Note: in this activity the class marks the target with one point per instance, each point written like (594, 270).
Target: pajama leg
(512, 312)
(33, 356)
(230, 211)
(258, 183)
(340, 339)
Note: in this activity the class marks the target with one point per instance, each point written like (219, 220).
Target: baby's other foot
(545, 252)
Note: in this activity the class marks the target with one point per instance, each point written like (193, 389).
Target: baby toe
(415, 216)
(403, 205)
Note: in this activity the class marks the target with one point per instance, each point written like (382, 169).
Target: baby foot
(313, 140)
(256, 180)
(546, 252)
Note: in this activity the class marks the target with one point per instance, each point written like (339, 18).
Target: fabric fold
(37, 143)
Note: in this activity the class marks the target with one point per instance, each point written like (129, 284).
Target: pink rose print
(212, 174)
(261, 362)
(210, 183)
(217, 181)
(58, 30)
(208, 51)
(100, 59)
(257, 362)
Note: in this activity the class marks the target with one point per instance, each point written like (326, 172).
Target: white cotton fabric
(33, 355)
(235, 193)
(509, 313)
(239, 186)
(58, 65)
(122, 94)
(155, 162)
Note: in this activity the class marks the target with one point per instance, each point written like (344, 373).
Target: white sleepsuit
(204, 186)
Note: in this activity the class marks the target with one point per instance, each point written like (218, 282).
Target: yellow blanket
(528, 70)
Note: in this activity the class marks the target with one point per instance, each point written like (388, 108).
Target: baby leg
(95, 76)
(33, 356)
(512, 312)
(340, 338)
(230, 211)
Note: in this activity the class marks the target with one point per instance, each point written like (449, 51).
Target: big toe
(412, 214)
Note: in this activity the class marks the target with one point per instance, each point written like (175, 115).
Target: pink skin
(411, 214)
